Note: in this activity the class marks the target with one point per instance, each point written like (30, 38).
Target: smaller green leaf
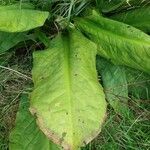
(139, 18)
(9, 40)
(19, 20)
(26, 135)
(115, 85)
(138, 83)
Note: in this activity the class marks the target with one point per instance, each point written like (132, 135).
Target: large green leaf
(115, 85)
(19, 20)
(121, 43)
(139, 18)
(67, 99)
(26, 135)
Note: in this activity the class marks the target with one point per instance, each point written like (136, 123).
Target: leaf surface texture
(118, 42)
(139, 18)
(115, 85)
(67, 99)
(14, 19)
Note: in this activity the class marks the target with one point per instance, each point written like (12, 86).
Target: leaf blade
(121, 43)
(19, 20)
(72, 91)
(9, 40)
(138, 18)
(115, 85)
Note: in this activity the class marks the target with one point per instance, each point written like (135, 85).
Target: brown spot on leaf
(49, 133)
(63, 136)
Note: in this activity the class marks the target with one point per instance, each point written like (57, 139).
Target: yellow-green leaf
(19, 20)
(67, 99)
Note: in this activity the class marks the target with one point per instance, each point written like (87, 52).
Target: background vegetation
(130, 132)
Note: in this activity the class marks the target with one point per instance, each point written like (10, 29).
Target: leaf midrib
(67, 69)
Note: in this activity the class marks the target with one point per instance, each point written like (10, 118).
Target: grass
(130, 133)
(13, 82)
(69, 8)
